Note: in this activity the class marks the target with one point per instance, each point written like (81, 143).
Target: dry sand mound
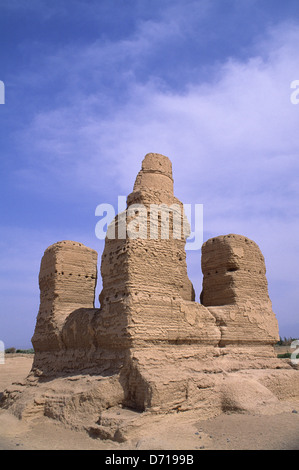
(279, 429)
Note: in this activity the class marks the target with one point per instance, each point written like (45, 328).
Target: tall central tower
(144, 263)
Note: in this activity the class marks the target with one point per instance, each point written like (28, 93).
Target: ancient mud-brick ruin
(150, 348)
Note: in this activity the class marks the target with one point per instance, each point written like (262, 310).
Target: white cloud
(233, 142)
(242, 120)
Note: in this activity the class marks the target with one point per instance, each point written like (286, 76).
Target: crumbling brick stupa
(150, 348)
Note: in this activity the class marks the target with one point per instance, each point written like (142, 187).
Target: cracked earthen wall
(67, 280)
(150, 346)
(235, 290)
(148, 325)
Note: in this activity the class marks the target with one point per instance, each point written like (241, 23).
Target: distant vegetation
(286, 355)
(20, 351)
(285, 341)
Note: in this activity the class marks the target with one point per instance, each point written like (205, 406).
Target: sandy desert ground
(277, 429)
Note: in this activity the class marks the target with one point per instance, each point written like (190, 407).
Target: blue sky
(91, 87)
